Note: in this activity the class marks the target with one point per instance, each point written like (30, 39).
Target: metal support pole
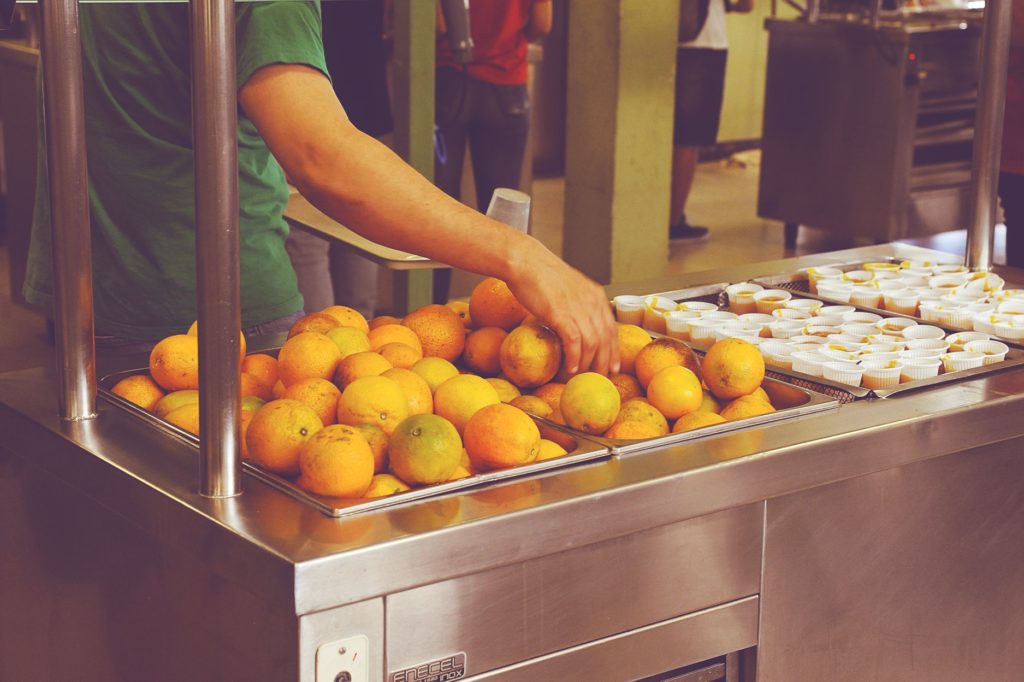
(215, 145)
(988, 132)
(64, 115)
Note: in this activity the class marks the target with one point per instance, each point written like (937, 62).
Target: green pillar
(620, 100)
(414, 121)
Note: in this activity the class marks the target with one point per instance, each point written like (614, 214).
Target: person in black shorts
(700, 84)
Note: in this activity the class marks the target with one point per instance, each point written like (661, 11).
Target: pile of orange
(352, 407)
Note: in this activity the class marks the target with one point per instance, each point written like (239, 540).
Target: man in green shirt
(139, 140)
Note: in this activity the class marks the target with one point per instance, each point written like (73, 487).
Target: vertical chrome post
(64, 116)
(215, 145)
(988, 132)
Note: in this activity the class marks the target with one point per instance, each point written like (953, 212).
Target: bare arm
(364, 185)
(540, 20)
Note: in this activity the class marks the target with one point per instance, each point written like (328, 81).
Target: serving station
(874, 540)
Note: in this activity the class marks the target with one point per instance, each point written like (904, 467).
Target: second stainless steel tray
(716, 293)
(790, 402)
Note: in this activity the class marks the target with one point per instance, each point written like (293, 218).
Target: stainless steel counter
(509, 573)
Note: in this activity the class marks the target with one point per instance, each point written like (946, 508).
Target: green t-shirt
(141, 192)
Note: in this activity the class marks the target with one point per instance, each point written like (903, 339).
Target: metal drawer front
(519, 612)
(646, 651)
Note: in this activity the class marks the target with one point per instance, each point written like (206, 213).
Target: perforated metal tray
(580, 449)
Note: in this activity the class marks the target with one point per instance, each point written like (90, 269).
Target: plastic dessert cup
(741, 296)
(629, 309)
(768, 300)
(844, 372)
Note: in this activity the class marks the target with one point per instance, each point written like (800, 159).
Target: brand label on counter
(442, 670)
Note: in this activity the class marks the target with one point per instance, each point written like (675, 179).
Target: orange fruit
(314, 322)
(640, 410)
(695, 420)
(389, 333)
(373, 400)
(347, 317)
(174, 362)
(319, 395)
(709, 403)
(499, 436)
(251, 403)
(174, 400)
(261, 366)
(378, 442)
(459, 398)
(400, 354)
(631, 340)
(627, 385)
(358, 365)
(460, 473)
(662, 353)
(336, 461)
(251, 386)
(418, 397)
(551, 394)
(278, 390)
(461, 309)
(482, 353)
(492, 304)
(243, 428)
(383, 485)
(759, 392)
(590, 402)
(632, 430)
(746, 406)
(531, 355)
(384, 319)
(424, 449)
(675, 391)
(440, 331)
(305, 355)
(185, 417)
(733, 368)
(139, 389)
(531, 404)
(277, 432)
(549, 449)
(349, 340)
(435, 371)
(193, 330)
(507, 391)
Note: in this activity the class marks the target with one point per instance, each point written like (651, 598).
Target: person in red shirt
(484, 103)
(1011, 176)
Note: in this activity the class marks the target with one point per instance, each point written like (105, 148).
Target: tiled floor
(724, 199)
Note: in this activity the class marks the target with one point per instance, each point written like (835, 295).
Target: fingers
(571, 345)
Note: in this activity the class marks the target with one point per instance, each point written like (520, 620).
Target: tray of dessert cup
(578, 448)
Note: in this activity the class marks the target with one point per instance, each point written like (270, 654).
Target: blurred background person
(700, 86)
(1011, 176)
(357, 48)
(484, 103)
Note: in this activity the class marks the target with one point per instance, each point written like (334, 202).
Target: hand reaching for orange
(573, 305)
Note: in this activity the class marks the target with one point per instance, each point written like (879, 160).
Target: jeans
(117, 345)
(495, 121)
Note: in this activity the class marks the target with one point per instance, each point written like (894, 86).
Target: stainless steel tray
(580, 449)
(790, 402)
(797, 282)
